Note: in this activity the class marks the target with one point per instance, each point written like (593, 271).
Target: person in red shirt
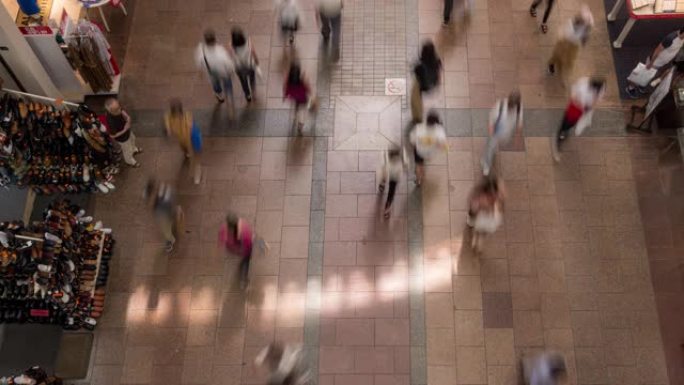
(297, 89)
(236, 237)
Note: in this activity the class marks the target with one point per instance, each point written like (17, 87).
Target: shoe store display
(54, 151)
(52, 272)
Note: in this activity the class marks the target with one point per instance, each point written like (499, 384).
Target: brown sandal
(533, 12)
(544, 28)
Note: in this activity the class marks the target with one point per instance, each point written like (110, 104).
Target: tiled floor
(589, 256)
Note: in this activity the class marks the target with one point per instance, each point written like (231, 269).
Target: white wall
(22, 60)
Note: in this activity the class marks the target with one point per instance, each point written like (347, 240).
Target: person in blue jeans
(215, 60)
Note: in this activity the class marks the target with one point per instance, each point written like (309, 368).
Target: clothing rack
(38, 97)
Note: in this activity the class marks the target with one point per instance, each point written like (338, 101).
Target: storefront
(57, 52)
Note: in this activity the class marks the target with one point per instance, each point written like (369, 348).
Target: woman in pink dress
(236, 236)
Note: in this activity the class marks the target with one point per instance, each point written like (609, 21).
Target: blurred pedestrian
(547, 12)
(330, 19)
(427, 138)
(449, 7)
(297, 89)
(167, 213)
(246, 62)
(504, 119)
(119, 128)
(485, 210)
(214, 59)
(574, 35)
(180, 125)
(289, 20)
(285, 363)
(546, 368)
(663, 55)
(393, 165)
(427, 74)
(235, 235)
(586, 93)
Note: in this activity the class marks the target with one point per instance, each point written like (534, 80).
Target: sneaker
(219, 98)
(381, 188)
(485, 170)
(138, 150)
(169, 246)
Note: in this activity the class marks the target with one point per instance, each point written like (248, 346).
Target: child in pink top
(236, 236)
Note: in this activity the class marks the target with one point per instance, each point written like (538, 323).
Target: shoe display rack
(54, 149)
(54, 271)
(32, 376)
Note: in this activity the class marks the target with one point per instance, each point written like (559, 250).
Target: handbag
(641, 75)
(196, 138)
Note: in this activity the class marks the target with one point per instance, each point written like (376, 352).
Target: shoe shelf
(34, 375)
(54, 149)
(54, 271)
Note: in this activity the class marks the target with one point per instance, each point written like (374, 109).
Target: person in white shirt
(427, 138)
(285, 363)
(504, 119)
(289, 19)
(586, 93)
(214, 59)
(574, 35)
(393, 164)
(663, 55)
(330, 19)
(485, 210)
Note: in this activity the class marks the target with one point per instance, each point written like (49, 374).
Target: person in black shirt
(119, 127)
(426, 78)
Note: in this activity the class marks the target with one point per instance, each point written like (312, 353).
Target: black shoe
(552, 69)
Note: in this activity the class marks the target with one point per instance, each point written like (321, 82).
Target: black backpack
(427, 78)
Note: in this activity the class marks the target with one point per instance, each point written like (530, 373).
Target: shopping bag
(196, 138)
(584, 122)
(641, 75)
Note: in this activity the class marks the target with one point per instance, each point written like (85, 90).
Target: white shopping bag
(584, 122)
(641, 75)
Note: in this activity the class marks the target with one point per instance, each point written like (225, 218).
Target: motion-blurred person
(168, 214)
(288, 19)
(504, 119)
(296, 88)
(662, 85)
(235, 235)
(119, 128)
(547, 13)
(285, 363)
(427, 74)
(393, 165)
(246, 62)
(214, 59)
(427, 138)
(586, 93)
(574, 35)
(449, 8)
(547, 368)
(179, 124)
(663, 55)
(485, 210)
(330, 19)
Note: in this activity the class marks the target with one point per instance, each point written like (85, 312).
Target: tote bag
(641, 75)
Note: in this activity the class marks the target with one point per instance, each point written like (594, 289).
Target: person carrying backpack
(505, 117)
(427, 76)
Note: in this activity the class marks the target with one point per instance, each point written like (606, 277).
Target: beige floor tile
(467, 292)
(439, 310)
(295, 242)
(468, 328)
(297, 210)
(471, 366)
(499, 344)
(527, 327)
(441, 375)
(440, 346)
(298, 180)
